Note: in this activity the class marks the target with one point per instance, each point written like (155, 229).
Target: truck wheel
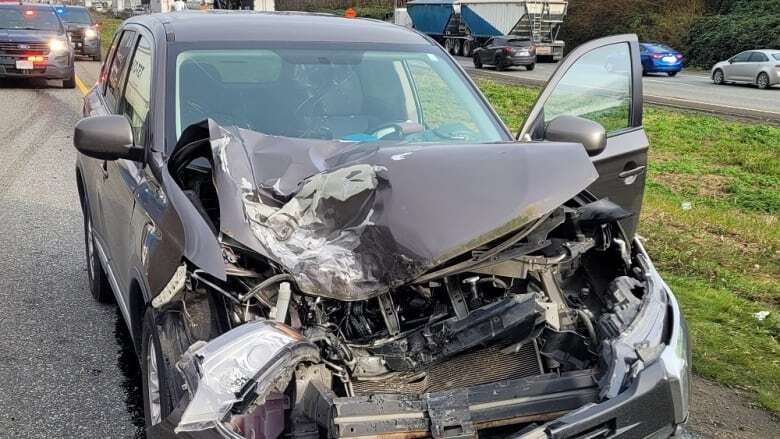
(530, 66)
(448, 45)
(467, 48)
(457, 48)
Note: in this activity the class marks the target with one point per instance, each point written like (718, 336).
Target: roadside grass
(108, 25)
(721, 257)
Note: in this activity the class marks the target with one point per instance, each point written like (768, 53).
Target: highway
(687, 90)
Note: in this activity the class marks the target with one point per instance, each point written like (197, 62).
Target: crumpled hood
(350, 220)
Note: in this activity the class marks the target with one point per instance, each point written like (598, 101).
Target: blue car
(660, 58)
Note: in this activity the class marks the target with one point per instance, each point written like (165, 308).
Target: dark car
(84, 32)
(317, 226)
(660, 58)
(33, 44)
(503, 52)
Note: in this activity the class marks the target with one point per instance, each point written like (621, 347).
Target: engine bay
(534, 308)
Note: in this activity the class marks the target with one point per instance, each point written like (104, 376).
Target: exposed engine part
(622, 300)
(279, 311)
(456, 297)
(464, 370)
(389, 315)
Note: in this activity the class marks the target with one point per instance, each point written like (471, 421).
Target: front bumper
(87, 47)
(55, 67)
(653, 405)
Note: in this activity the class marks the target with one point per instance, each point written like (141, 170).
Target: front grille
(21, 48)
(76, 36)
(15, 71)
(481, 366)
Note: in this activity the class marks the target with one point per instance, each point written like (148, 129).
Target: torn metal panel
(351, 220)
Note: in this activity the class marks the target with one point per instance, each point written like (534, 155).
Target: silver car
(759, 67)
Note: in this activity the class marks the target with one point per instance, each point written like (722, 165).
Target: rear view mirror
(575, 129)
(106, 138)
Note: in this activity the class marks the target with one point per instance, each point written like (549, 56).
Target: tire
(717, 77)
(762, 81)
(500, 64)
(477, 61)
(671, 74)
(96, 276)
(168, 334)
(530, 67)
(457, 48)
(98, 57)
(163, 340)
(70, 81)
(467, 48)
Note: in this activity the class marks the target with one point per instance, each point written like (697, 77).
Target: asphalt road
(686, 90)
(66, 368)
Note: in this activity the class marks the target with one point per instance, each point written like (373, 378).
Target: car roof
(216, 25)
(25, 6)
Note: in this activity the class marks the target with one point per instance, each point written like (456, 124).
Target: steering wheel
(396, 130)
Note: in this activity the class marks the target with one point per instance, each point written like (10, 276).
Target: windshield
(32, 19)
(76, 16)
(336, 94)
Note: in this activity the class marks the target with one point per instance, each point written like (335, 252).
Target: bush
(718, 37)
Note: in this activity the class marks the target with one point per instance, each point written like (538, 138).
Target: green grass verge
(108, 25)
(722, 257)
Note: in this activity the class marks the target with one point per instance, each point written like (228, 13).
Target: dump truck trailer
(462, 25)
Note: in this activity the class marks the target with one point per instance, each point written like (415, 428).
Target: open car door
(595, 98)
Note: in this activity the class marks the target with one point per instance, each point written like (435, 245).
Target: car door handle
(632, 172)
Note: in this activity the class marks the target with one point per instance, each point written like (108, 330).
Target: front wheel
(163, 339)
(762, 81)
(717, 77)
(672, 74)
(530, 66)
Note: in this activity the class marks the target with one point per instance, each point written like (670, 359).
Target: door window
(135, 100)
(758, 57)
(596, 87)
(116, 73)
(107, 64)
(742, 57)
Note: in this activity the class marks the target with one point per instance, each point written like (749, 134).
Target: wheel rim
(153, 384)
(718, 76)
(90, 249)
(762, 81)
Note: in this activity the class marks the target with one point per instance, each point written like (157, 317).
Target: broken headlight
(244, 364)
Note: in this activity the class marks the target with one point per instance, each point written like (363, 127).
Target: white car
(759, 67)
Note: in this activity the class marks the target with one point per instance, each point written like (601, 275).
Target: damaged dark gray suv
(317, 227)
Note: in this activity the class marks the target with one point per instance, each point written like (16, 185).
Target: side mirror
(106, 138)
(577, 130)
(731, 60)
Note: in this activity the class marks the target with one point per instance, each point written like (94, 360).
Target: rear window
(32, 19)
(76, 16)
(520, 43)
(776, 56)
(658, 48)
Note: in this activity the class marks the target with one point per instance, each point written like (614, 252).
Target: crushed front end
(354, 315)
